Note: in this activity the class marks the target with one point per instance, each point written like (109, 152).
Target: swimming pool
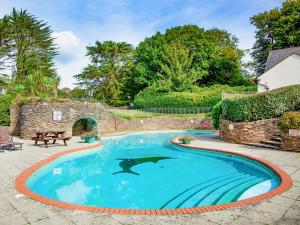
(146, 171)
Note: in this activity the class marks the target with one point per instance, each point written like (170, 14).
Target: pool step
(234, 193)
(190, 192)
(211, 195)
(216, 191)
(194, 200)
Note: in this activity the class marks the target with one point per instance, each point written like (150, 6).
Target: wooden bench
(48, 136)
(64, 139)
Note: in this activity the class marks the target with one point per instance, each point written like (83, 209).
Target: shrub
(263, 105)
(186, 139)
(216, 114)
(5, 102)
(289, 120)
(152, 97)
(83, 125)
(89, 134)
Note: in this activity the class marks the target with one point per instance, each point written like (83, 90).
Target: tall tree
(149, 54)
(177, 73)
(27, 47)
(275, 29)
(216, 57)
(109, 72)
(287, 27)
(76, 93)
(36, 84)
(224, 59)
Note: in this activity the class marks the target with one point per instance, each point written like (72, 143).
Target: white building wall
(283, 74)
(2, 91)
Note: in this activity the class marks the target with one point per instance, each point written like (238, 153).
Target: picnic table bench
(47, 136)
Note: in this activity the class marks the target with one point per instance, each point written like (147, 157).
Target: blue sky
(78, 23)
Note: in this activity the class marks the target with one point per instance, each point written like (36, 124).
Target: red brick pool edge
(20, 184)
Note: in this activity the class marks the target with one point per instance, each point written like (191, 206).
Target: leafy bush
(5, 101)
(152, 97)
(186, 139)
(289, 120)
(89, 134)
(216, 114)
(83, 125)
(263, 105)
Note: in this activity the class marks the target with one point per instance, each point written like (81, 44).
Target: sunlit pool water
(147, 171)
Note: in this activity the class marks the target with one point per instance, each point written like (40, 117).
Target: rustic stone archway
(82, 125)
(57, 115)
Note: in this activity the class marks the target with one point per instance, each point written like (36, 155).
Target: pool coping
(20, 185)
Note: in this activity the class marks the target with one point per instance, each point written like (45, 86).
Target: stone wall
(29, 118)
(248, 132)
(290, 143)
(32, 117)
(15, 120)
(165, 123)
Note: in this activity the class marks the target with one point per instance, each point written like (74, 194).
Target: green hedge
(263, 105)
(5, 102)
(216, 114)
(198, 97)
(289, 120)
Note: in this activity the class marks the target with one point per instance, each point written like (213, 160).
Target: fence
(236, 94)
(194, 110)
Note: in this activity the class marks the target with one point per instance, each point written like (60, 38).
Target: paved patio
(16, 209)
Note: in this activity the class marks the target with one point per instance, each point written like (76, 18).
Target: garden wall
(29, 118)
(248, 132)
(165, 123)
(290, 143)
(39, 116)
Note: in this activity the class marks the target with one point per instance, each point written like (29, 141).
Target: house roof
(276, 56)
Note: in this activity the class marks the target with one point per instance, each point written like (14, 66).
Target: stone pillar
(15, 120)
(290, 143)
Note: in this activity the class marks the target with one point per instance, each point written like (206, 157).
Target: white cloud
(71, 59)
(68, 44)
(118, 26)
(67, 71)
(66, 40)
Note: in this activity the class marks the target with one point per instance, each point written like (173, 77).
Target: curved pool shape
(147, 171)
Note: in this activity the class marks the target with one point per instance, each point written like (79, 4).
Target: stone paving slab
(13, 219)
(19, 210)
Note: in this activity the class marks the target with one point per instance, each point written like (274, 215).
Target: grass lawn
(135, 114)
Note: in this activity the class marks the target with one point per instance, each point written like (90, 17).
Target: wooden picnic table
(46, 136)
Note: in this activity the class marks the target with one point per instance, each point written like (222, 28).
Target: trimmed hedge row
(199, 97)
(263, 105)
(5, 102)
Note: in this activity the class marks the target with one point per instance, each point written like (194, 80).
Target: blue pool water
(146, 171)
